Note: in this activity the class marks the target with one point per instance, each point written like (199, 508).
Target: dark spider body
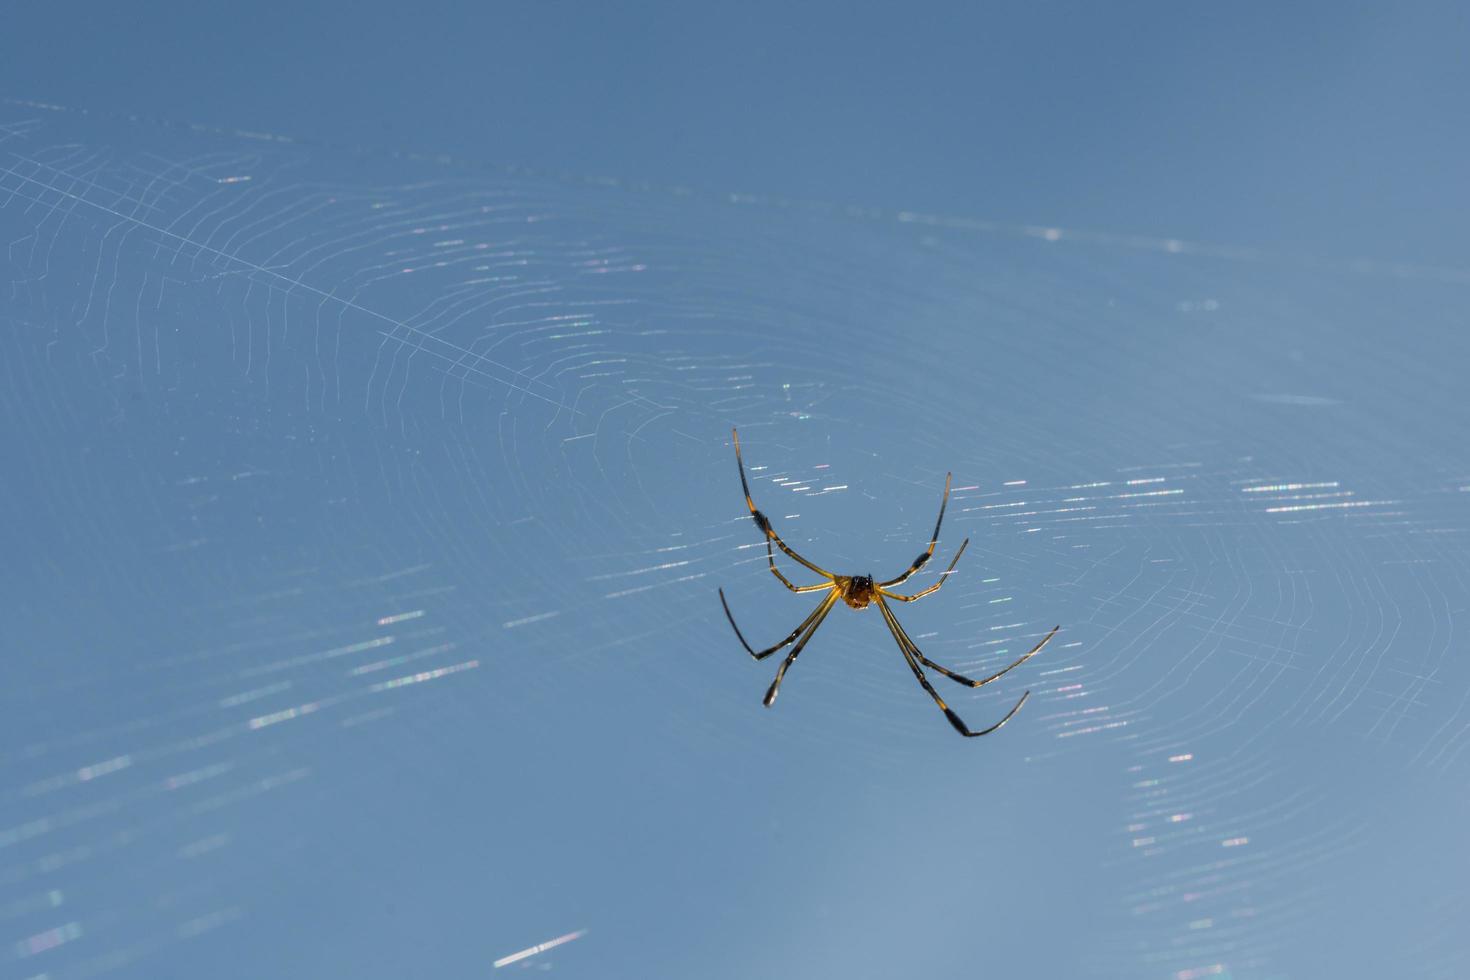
(859, 592)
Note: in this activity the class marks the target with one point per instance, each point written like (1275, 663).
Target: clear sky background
(366, 385)
(1306, 126)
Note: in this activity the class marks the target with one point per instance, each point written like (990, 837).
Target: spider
(859, 591)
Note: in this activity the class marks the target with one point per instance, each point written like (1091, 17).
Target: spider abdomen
(857, 590)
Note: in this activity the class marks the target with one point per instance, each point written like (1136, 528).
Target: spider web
(367, 516)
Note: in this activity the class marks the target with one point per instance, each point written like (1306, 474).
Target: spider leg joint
(761, 522)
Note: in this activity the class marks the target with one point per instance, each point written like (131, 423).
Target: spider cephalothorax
(857, 590)
(860, 591)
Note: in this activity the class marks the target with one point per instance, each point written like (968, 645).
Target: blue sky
(1316, 127)
(366, 385)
